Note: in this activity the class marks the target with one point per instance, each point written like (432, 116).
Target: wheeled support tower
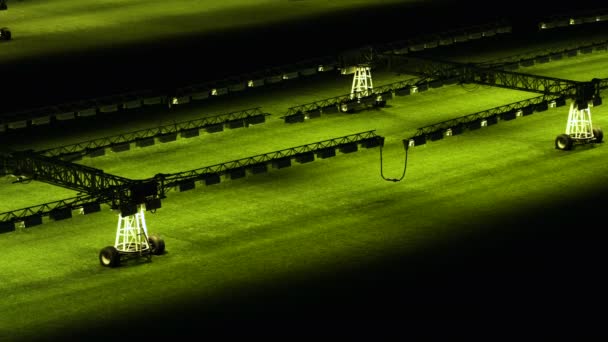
(362, 82)
(579, 129)
(132, 240)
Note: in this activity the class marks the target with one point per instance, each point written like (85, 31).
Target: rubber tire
(564, 142)
(157, 245)
(598, 134)
(109, 257)
(6, 34)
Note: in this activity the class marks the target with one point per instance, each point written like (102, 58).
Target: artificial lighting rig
(435, 74)
(579, 129)
(132, 198)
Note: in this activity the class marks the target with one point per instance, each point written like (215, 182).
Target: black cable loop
(404, 167)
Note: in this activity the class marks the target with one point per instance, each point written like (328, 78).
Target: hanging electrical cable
(405, 147)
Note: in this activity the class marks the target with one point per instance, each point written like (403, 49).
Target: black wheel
(564, 142)
(157, 245)
(598, 134)
(5, 33)
(109, 257)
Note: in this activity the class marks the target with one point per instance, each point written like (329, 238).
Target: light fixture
(32, 220)
(61, 213)
(212, 178)
(6, 226)
(89, 208)
(259, 168)
(186, 185)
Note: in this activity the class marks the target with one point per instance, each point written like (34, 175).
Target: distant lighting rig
(575, 19)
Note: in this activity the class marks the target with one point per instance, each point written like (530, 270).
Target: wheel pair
(110, 256)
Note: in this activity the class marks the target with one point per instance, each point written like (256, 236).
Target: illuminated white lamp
(255, 83)
(484, 123)
(180, 100)
(65, 116)
(552, 104)
(219, 91)
(519, 112)
(448, 132)
(413, 89)
(42, 120)
(411, 143)
(291, 75)
(576, 21)
(324, 68)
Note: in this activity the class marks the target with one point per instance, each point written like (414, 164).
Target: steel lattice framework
(247, 116)
(470, 73)
(101, 187)
(527, 105)
(367, 139)
(65, 174)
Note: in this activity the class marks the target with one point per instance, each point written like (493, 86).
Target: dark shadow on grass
(536, 269)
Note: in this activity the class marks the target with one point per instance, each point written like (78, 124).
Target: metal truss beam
(62, 173)
(83, 148)
(529, 105)
(168, 181)
(543, 55)
(471, 73)
(47, 208)
(337, 100)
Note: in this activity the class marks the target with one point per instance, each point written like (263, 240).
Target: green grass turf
(300, 222)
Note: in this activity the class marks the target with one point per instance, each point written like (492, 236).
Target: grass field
(493, 223)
